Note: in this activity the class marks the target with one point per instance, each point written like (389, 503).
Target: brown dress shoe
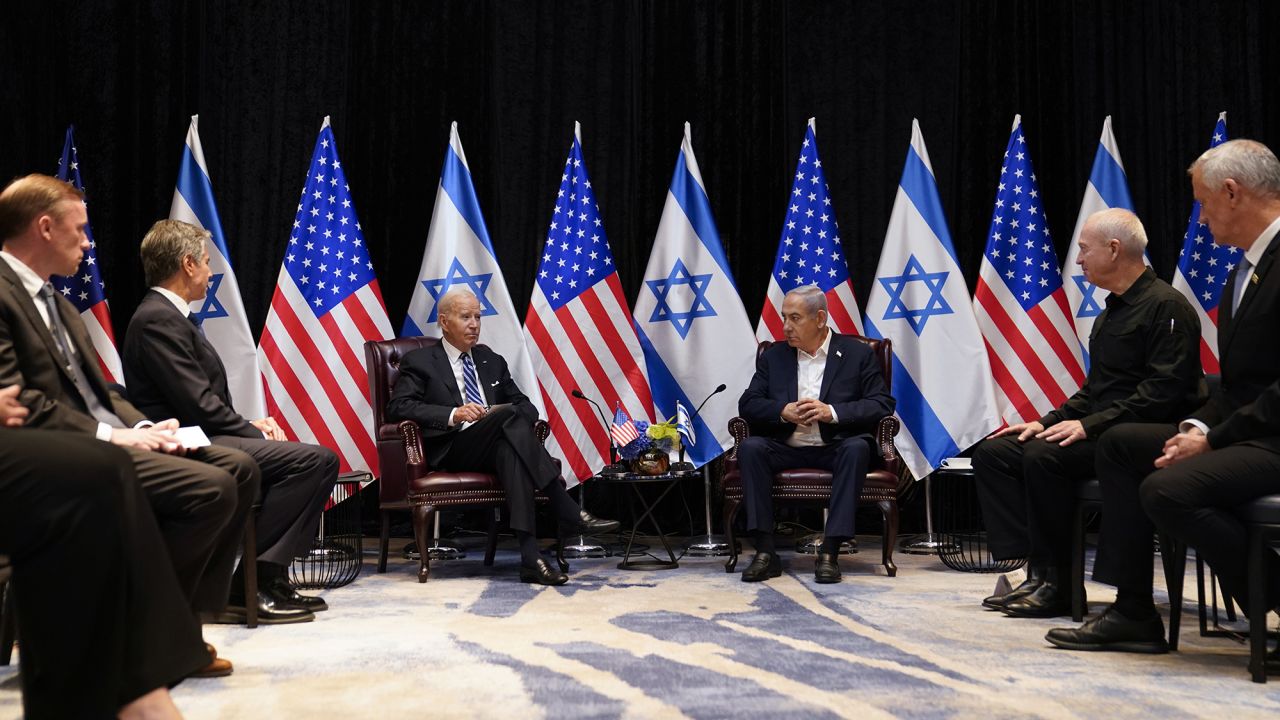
(217, 667)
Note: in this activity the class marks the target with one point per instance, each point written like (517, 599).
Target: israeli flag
(689, 318)
(1107, 188)
(941, 373)
(684, 424)
(460, 254)
(222, 311)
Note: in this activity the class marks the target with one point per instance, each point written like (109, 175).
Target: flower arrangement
(662, 437)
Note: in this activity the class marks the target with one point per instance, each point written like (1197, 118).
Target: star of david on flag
(1202, 271)
(221, 312)
(917, 307)
(459, 253)
(810, 251)
(689, 317)
(1020, 301)
(666, 293)
(85, 289)
(326, 306)
(578, 328)
(1107, 188)
(941, 377)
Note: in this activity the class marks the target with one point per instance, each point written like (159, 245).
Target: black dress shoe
(1113, 631)
(589, 524)
(289, 595)
(763, 566)
(542, 574)
(1048, 600)
(271, 611)
(826, 569)
(1025, 588)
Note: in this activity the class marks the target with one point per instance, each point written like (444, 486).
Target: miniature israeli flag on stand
(221, 311)
(941, 373)
(1107, 188)
(460, 254)
(684, 424)
(689, 317)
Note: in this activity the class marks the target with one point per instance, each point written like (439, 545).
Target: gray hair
(1122, 225)
(166, 244)
(444, 306)
(813, 297)
(1248, 162)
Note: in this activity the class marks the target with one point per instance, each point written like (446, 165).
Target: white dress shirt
(455, 362)
(809, 372)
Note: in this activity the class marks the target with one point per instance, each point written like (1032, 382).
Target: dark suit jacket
(28, 357)
(1246, 408)
(427, 392)
(851, 383)
(173, 372)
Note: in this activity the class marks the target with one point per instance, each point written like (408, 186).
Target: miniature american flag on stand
(326, 305)
(579, 330)
(1202, 270)
(623, 429)
(85, 289)
(1020, 304)
(810, 252)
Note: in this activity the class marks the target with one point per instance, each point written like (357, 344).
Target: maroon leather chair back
(383, 360)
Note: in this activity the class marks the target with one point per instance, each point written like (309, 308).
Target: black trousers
(296, 482)
(760, 458)
(101, 616)
(503, 443)
(1191, 500)
(1027, 492)
(201, 503)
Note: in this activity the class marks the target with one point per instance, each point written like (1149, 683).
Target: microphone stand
(707, 545)
(589, 546)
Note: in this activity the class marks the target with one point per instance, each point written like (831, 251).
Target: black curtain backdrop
(516, 75)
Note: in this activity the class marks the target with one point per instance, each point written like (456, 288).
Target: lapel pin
(839, 354)
(1254, 279)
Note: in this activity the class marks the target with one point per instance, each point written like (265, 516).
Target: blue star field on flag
(1019, 246)
(86, 288)
(1204, 263)
(576, 255)
(326, 257)
(810, 252)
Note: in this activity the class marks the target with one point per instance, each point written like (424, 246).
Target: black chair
(1262, 516)
(1088, 500)
(8, 625)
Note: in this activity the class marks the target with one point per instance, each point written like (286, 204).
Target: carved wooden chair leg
(423, 517)
(491, 547)
(383, 540)
(730, 512)
(889, 510)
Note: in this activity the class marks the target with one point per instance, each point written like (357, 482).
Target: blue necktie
(197, 321)
(470, 381)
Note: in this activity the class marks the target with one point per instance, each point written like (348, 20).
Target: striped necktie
(470, 380)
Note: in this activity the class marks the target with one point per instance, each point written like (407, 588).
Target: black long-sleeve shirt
(1144, 357)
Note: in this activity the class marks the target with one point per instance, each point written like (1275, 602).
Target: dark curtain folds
(516, 75)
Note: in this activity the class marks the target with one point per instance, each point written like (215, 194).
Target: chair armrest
(886, 430)
(541, 429)
(739, 429)
(415, 461)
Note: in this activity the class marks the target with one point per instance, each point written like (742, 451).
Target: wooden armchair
(813, 486)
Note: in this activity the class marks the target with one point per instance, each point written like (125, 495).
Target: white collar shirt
(809, 372)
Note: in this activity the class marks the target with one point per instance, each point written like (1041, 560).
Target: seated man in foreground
(475, 418)
(173, 371)
(1144, 366)
(73, 516)
(1189, 478)
(813, 402)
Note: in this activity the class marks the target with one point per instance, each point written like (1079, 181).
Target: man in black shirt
(1188, 479)
(1145, 366)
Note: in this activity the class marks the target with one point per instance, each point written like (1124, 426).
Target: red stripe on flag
(771, 319)
(353, 363)
(1008, 385)
(550, 351)
(1019, 344)
(635, 377)
(293, 388)
(840, 316)
(1056, 341)
(587, 355)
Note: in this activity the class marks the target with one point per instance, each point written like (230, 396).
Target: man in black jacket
(172, 371)
(813, 402)
(1145, 368)
(1188, 478)
(475, 418)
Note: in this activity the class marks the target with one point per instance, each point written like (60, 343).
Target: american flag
(623, 429)
(1202, 270)
(1020, 304)
(85, 289)
(810, 252)
(326, 305)
(579, 329)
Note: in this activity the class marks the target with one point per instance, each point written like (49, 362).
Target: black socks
(1135, 605)
(763, 541)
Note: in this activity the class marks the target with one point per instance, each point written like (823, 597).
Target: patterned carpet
(696, 642)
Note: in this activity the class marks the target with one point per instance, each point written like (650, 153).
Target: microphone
(613, 468)
(683, 466)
